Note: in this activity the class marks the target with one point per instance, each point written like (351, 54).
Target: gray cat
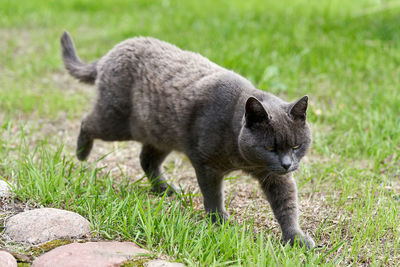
(169, 99)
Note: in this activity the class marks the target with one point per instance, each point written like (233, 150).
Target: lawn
(344, 54)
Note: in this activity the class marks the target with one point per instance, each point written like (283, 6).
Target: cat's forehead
(278, 112)
(282, 124)
(285, 134)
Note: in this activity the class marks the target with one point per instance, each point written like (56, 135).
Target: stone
(99, 254)
(162, 263)
(5, 189)
(7, 260)
(46, 224)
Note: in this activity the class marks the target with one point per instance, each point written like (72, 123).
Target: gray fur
(169, 99)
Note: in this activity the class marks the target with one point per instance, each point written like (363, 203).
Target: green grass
(344, 54)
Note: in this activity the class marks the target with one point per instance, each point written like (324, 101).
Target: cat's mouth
(275, 171)
(283, 171)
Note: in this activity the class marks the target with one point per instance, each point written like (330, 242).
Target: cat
(169, 99)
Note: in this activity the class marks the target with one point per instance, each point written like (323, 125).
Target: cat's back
(160, 63)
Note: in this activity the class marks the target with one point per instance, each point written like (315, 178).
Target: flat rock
(99, 254)
(46, 224)
(5, 189)
(7, 260)
(162, 263)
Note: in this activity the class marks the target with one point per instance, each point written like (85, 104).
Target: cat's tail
(84, 72)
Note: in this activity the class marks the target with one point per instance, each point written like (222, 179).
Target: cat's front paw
(219, 217)
(162, 188)
(300, 238)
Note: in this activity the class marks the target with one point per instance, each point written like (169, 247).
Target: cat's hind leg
(85, 139)
(151, 159)
(101, 125)
(106, 122)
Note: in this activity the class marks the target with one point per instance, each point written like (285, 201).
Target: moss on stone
(37, 251)
(137, 262)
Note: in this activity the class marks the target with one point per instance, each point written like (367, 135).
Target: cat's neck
(237, 160)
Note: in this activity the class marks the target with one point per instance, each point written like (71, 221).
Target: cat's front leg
(211, 185)
(281, 193)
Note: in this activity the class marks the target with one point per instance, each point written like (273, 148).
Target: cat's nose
(286, 165)
(286, 162)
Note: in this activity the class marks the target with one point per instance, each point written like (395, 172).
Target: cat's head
(275, 135)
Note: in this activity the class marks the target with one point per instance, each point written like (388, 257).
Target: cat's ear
(255, 112)
(298, 110)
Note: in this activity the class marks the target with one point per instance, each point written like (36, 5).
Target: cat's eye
(269, 148)
(296, 147)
